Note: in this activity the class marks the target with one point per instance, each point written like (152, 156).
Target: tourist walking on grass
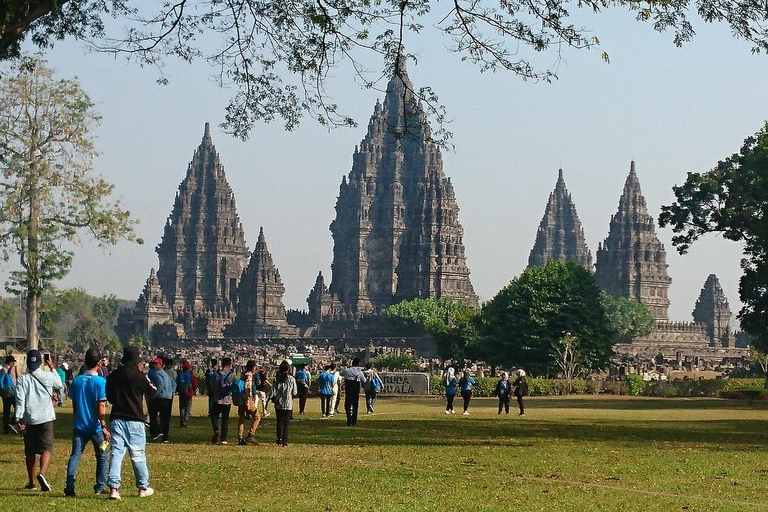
(126, 388)
(372, 387)
(222, 383)
(303, 381)
(449, 383)
(262, 386)
(325, 385)
(35, 396)
(60, 394)
(466, 383)
(284, 390)
(186, 386)
(336, 396)
(161, 405)
(88, 393)
(520, 387)
(353, 379)
(210, 385)
(9, 374)
(504, 391)
(249, 407)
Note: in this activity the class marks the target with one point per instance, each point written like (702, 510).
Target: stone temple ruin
(396, 237)
(632, 263)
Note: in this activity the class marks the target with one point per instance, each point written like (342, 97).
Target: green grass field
(574, 453)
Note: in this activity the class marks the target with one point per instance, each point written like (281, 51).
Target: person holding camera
(35, 397)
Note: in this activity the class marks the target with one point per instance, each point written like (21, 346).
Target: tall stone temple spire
(713, 312)
(260, 308)
(396, 234)
(632, 261)
(202, 253)
(560, 235)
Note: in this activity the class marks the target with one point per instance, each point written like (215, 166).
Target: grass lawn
(573, 453)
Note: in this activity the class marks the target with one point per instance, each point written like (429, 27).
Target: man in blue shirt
(162, 403)
(325, 380)
(303, 381)
(88, 393)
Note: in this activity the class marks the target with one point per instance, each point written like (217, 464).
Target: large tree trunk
(33, 268)
(32, 315)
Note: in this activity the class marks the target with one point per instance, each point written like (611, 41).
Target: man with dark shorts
(35, 416)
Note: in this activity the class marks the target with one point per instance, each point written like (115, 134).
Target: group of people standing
(504, 390)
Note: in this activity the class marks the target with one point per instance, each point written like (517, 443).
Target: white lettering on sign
(404, 383)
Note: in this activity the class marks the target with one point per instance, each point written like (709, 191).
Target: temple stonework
(396, 234)
(712, 311)
(632, 262)
(560, 235)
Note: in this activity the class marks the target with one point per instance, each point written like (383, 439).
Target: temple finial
(207, 133)
(632, 167)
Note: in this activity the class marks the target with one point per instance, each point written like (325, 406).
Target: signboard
(404, 383)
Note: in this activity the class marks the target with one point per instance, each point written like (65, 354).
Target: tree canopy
(47, 196)
(628, 318)
(277, 55)
(731, 199)
(523, 325)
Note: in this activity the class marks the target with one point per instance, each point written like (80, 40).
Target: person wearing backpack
(449, 383)
(247, 402)
(372, 387)
(35, 395)
(186, 386)
(466, 384)
(8, 376)
(503, 391)
(303, 381)
(222, 405)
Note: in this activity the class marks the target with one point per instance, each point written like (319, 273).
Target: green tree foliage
(46, 195)
(451, 323)
(522, 324)
(760, 358)
(392, 362)
(276, 55)
(731, 199)
(7, 317)
(628, 318)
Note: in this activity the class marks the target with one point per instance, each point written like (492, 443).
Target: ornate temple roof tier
(713, 312)
(396, 234)
(632, 262)
(560, 235)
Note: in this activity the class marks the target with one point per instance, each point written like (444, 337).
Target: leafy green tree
(527, 319)
(393, 362)
(760, 358)
(7, 317)
(628, 318)
(451, 323)
(731, 199)
(46, 195)
(277, 55)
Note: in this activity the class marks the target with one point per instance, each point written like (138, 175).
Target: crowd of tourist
(29, 401)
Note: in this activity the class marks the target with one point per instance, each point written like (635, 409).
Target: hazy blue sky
(672, 110)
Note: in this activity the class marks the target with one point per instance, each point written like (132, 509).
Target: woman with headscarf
(466, 384)
(449, 382)
(283, 392)
(521, 389)
(503, 391)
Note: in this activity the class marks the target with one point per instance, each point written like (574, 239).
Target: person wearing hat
(35, 394)
(9, 374)
(126, 387)
(161, 404)
(186, 386)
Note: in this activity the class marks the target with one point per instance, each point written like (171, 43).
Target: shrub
(635, 385)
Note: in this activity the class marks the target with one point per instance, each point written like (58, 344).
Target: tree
(760, 358)
(525, 320)
(731, 199)
(628, 318)
(46, 195)
(7, 317)
(566, 354)
(277, 55)
(392, 362)
(451, 323)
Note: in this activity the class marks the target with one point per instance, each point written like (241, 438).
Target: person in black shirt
(126, 387)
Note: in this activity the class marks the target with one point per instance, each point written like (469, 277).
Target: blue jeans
(79, 442)
(130, 436)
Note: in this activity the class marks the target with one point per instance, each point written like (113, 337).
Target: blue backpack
(6, 384)
(184, 384)
(237, 389)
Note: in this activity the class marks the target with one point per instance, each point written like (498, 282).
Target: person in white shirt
(336, 396)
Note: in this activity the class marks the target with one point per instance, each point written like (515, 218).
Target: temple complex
(396, 234)
(560, 235)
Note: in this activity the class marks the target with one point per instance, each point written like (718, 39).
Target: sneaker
(165, 441)
(249, 439)
(223, 442)
(465, 413)
(241, 442)
(30, 487)
(100, 491)
(146, 493)
(113, 494)
(215, 437)
(44, 485)
(157, 437)
(13, 429)
(266, 413)
(69, 492)
(447, 412)
(453, 412)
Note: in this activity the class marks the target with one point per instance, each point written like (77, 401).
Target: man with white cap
(35, 395)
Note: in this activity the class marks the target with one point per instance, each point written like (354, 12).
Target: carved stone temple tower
(260, 308)
(712, 311)
(396, 234)
(202, 254)
(632, 262)
(560, 235)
